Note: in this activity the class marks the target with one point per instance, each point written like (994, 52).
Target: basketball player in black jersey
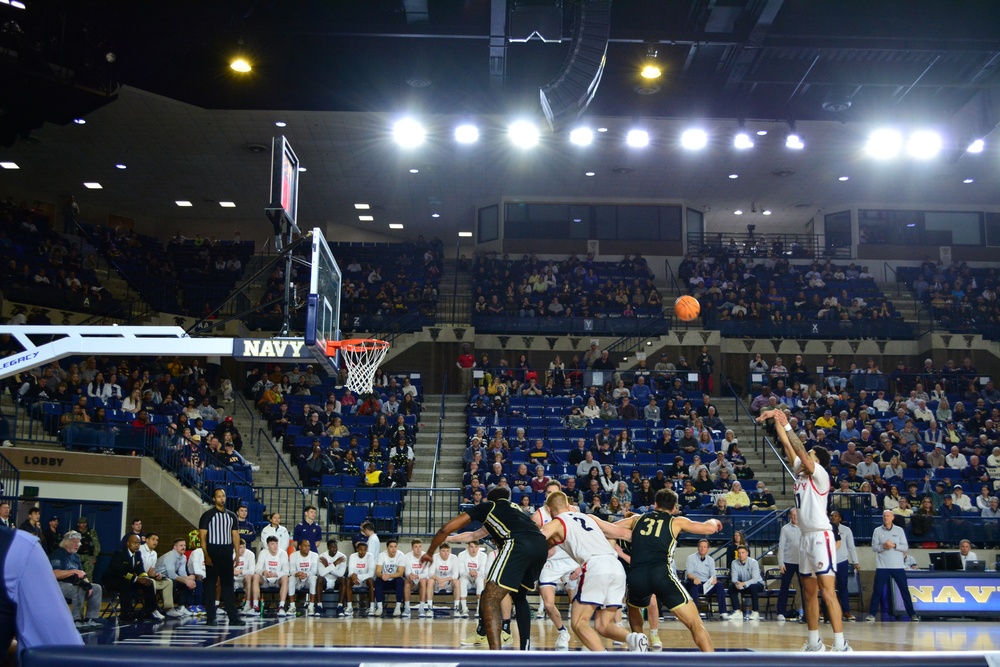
(651, 567)
(624, 550)
(522, 551)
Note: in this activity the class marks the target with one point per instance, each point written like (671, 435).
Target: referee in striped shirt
(219, 533)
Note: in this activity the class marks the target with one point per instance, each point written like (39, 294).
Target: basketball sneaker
(562, 640)
(506, 638)
(637, 642)
(475, 639)
(655, 642)
(818, 647)
(846, 648)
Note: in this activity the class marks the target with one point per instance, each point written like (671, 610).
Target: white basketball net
(362, 359)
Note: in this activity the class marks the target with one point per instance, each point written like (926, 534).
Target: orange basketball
(687, 308)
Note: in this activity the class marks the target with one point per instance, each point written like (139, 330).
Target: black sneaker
(238, 623)
(212, 621)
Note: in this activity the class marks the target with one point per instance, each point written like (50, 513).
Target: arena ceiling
(339, 72)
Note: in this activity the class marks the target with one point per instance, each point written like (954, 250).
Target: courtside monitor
(284, 199)
(947, 561)
(323, 305)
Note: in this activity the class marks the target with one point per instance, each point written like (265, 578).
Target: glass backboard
(323, 314)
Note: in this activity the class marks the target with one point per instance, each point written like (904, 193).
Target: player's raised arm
(614, 531)
(442, 536)
(789, 440)
(469, 536)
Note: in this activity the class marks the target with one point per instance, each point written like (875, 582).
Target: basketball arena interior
(360, 263)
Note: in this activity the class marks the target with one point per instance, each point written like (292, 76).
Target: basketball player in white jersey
(271, 570)
(303, 568)
(817, 548)
(416, 577)
(559, 569)
(243, 576)
(471, 574)
(602, 584)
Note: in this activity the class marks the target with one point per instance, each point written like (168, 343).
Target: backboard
(323, 306)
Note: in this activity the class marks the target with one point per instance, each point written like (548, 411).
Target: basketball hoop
(362, 357)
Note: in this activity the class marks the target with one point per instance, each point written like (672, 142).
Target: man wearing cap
(225, 426)
(90, 546)
(74, 583)
(51, 537)
(826, 421)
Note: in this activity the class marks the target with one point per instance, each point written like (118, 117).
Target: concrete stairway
(770, 473)
(452, 298)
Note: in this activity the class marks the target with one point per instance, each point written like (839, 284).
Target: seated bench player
(330, 575)
(303, 568)
(243, 576)
(417, 579)
(471, 574)
(390, 572)
(444, 575)
(360, 577)
(271, 572)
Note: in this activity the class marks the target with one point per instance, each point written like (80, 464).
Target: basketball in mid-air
(687, 308)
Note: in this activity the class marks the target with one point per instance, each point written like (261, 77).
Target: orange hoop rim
(356, 345)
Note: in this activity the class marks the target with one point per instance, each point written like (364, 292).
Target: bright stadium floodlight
(884, 144)
(976, 146)
(694, 139)
(742, 141)
(637, 138)
(408, 133)
(923, 145)
(581, 136)
(794, 142)
(523, 134)
(467, 134)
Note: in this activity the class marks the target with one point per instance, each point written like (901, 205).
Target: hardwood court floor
(445, 633)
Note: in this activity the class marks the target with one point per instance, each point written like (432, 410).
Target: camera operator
(74, 584)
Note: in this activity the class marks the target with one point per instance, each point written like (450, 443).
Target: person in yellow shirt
(737, 498)
(827, 421)
(373, 476)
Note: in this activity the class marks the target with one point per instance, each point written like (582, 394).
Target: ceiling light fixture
(79, 121)
(742, 139)
(93, 185)
(794, 142)
(976, 146)
(637, 138)
(414, 171)
(227, 204)
(884, 144)
(241, 65)
(183, 203)
(18, 4)
(766, 212)
(395, 225)
(761, 133)
(651, 67)
(844, 178)
(969, 180)
(9, 165)
(523, 134)
(366, 218)
(734, 176)
(362, 207)
(302, 168)
(923, 145)
(280, 123)
(581, 136)
(435, 215)
(589, 173)
(467, 134)
(738, 212)
(694, 139)
(602, 129)
(465, 235)
(408, 133)
(121, 166)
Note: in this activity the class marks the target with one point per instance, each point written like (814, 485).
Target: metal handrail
(437, 448)
(740, 405)
(10, 479)
(264, 436)
(654, 326)
(454, 299)
(885, 274)
(673, 278)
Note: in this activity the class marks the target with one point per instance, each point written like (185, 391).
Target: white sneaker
(310, 609)
(637, 642)
(465, 612)
(282, 613)
(869, 619)
(845, 649)
(157, 615)
(725, 617)
(456, 612)
(291, 609)
(562, 640)
(371, 611)
(175, 613)
(349, 610)
(754, 616)
(818, 647)
(781, 618)
(421, 613)
(397, 611)
(8, 443)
